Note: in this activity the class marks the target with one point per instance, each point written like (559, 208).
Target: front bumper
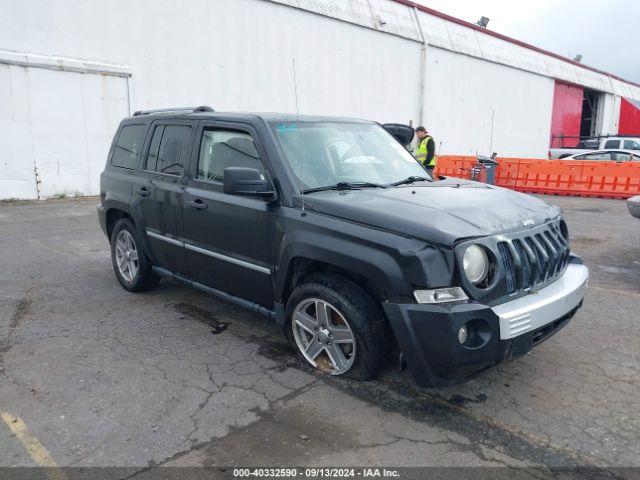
(428, 333)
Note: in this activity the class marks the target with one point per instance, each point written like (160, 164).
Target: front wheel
(336, 327)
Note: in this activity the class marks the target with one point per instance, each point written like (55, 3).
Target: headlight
(475, 263)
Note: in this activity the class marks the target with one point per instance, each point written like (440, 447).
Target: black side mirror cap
(247, 181)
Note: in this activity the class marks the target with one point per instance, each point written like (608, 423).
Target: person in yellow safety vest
(426, 149)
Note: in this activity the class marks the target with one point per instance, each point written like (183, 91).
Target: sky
(605, 32)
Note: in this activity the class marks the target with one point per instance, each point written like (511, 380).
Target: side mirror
(247, 181)
(402, 133)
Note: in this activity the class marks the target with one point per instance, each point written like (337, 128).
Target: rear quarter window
(128, 146)
(612, 144)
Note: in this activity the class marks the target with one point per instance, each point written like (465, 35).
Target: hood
(438, 212)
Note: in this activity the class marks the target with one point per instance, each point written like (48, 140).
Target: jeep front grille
(532, 260)
(507, 262)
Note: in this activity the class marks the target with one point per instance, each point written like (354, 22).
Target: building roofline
(520, 43)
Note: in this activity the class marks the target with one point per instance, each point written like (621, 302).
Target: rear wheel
(131, 264)
(336, 328)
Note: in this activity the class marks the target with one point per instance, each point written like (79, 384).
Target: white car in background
(588, 145)
(604, 155)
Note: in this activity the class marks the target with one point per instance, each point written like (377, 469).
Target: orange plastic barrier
(454, 166)
(555, 177)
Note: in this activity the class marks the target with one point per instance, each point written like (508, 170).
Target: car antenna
(295, 91)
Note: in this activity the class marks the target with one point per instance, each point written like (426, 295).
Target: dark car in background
(330, 227)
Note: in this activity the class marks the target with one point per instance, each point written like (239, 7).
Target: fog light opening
(474, 334)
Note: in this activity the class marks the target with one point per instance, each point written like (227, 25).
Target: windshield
(327, 153)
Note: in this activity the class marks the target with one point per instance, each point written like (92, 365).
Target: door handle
(143, 192)
(198, 204)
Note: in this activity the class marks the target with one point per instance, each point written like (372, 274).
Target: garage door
(56, 127)
(566, 115)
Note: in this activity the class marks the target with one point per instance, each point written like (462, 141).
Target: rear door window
(168, 151)
(620, 156)
(612, 144)
(596, 156)
(128, 146)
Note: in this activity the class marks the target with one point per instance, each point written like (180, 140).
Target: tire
(348, 306)
(135, 256)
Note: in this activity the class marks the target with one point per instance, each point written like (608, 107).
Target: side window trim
(157, 150)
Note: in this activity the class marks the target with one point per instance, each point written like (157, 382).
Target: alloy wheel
(126, 256)
(322, 332)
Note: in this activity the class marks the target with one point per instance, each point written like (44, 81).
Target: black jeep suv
(329, 226)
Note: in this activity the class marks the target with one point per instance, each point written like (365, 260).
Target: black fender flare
(113, 202)
(376, 263)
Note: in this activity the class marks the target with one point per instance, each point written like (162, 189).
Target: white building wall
(55, 127)
(474, 106)
(234, 55)
(394, 17)
(608, 116)
(359, 58)
(231, 54)
(17, 166)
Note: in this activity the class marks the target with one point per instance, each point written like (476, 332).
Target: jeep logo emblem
(528, 222)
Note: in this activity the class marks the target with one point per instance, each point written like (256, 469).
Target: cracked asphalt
(174, 377)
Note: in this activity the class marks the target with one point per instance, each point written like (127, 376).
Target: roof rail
(595, 137)
(201, 108)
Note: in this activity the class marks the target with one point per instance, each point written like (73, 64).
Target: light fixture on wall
(483, 22)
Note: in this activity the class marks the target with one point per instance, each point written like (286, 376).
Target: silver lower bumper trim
(544, 306)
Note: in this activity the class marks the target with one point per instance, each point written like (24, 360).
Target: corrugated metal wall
(361, 58)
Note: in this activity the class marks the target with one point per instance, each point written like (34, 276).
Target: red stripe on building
(629, 118)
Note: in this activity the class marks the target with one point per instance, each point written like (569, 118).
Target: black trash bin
(489, 164)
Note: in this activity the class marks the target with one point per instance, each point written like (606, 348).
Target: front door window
(220, 149)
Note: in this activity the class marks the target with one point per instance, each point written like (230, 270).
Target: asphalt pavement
(94, 376)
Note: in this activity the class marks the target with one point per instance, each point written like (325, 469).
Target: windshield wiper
(344, 186)
(412, 179)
